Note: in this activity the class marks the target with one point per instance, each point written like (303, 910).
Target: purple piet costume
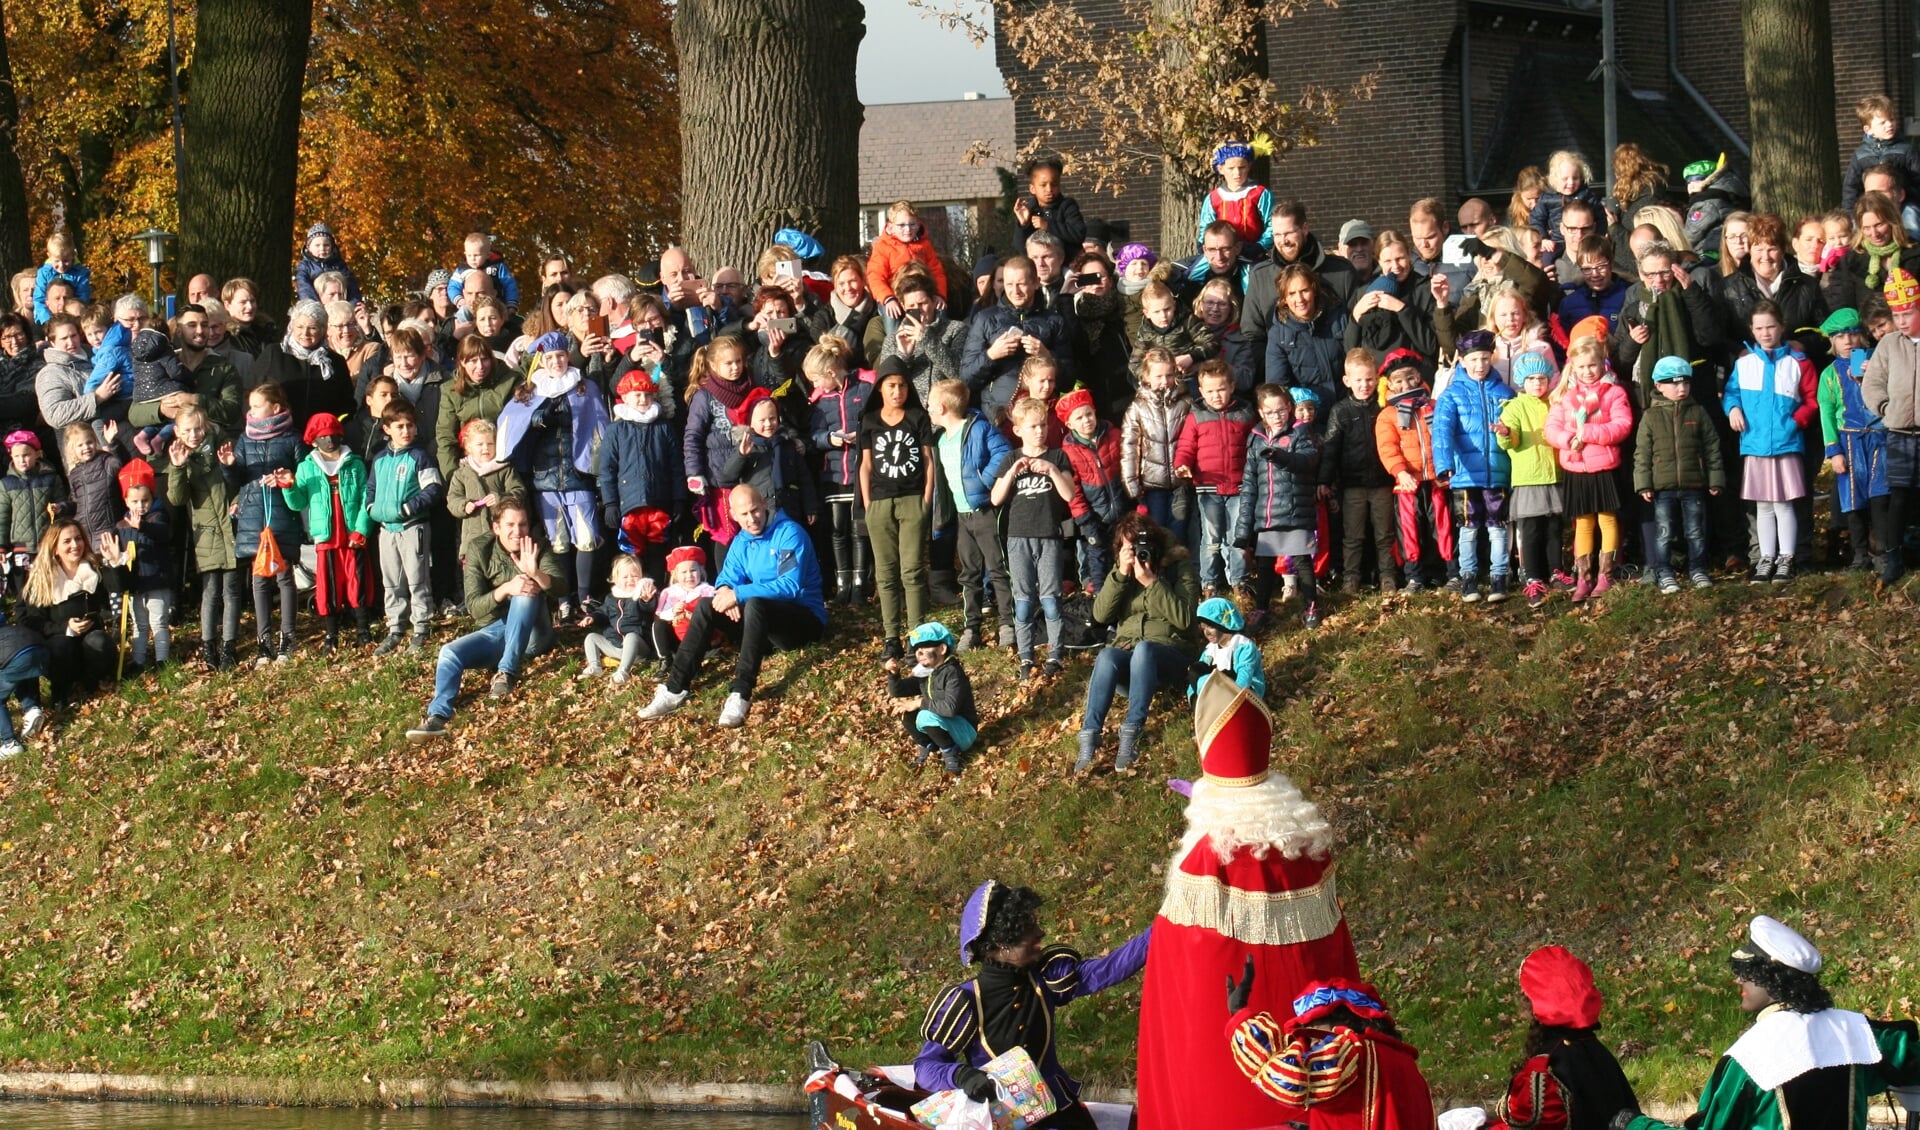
(976, 1020)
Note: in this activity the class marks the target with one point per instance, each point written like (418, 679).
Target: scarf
(728, 393)
(1011, 1010)
(411, 389)
(1096, 307)
(82, 580)
(329, 467)
(1407, 406)
(483, 469)
(1672, 336)
(1130, 287)
(318, 357)
(269, 427)
(645, 415)
(1877, 255)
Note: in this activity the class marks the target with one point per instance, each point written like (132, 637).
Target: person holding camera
(1149, 599)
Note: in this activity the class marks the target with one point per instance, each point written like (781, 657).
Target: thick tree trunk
(16, 252)
(242, 144)
(769, 125)
(1182, 191)
(1789, 57)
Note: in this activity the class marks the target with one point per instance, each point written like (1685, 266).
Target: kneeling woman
(1011, 1001)
(508, 577)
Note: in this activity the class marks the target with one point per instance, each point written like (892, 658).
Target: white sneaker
(664, 702)
(734, 714)
(13, 748)
(32, 721)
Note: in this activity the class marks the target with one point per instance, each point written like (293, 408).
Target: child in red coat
(1100, 495)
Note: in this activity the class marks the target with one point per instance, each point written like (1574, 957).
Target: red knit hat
(1560, 987)
(322, 424)
(683, 555)
(1235, 734)
(1072, 402)
(634, 381)
(743, 414)
(137, 473)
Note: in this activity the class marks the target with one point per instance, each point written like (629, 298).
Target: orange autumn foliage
(553, 126)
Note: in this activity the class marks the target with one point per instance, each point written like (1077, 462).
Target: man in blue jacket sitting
(767, 598)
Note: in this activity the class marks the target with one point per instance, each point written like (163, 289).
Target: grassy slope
(256, 875)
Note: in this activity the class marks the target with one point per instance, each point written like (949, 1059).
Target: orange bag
(268, 561)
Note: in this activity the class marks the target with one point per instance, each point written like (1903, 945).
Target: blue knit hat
(1531, 365)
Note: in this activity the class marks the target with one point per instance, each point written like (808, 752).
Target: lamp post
(156, 241)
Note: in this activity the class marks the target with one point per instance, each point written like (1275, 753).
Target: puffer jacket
(1778, 392)
(994, 382)
(96, 493)
(1351, 455)
(312, 495)
(1309, 354)
(839, 412)
(1609, 421)
(1161, 613)
(1463, 441)
(23, 505)
(206, 490)
(252, 460)
(640, 465)
(1096, 474)
(982, 448)
(1403, 436)
(708, 443)
(1892, 384)
(1213, 445)
(1677, 448)
(1280, 484)
(1149, 436)
(1533, 460)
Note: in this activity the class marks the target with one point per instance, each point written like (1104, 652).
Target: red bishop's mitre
(1234, 732)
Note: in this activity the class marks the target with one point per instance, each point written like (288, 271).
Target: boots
(1582, 578)
(210, 655)
(263, 654)
(1089, 747)
(285, 654)
(362, 632)
(843, 586)
(1129, 747)
(862, 572)
(229, 655)
(1604, 581)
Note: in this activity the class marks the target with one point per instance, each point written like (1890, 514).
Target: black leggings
(1538, 547)
(1264, 578)
(581, 563)
(263, 602)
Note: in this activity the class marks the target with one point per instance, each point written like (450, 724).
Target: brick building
(1471, 91)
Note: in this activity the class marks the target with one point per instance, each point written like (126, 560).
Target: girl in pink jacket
(1590, 418)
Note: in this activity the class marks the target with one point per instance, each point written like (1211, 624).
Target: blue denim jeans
(1168, 509)
(525, 631)
(21, 676)
(1671, 510)
(1219, 519)
(1137, 672)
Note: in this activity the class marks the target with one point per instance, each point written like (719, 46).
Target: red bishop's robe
(1283, 912)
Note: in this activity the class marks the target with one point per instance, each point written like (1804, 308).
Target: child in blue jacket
(968, 452)
(1469, 461)
(60, 265)
(1279, 494)
(641, 487)
(1772, 394)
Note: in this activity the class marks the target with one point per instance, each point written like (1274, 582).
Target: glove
(610, 516)
(975, 1084)
(1270, 454)
(1237, 995)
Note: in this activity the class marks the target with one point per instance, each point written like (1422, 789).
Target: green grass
(256, 875)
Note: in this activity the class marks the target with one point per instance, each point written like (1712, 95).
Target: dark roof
(917, 150)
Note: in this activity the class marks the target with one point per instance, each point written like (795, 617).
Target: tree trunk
(1183, 190)
(16, 252)
(1789, 57)
(769, 125)
(242, 128)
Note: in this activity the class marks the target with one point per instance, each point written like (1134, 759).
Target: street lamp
(156, 241)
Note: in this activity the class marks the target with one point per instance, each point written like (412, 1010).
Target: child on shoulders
(61, 266)
(1238, 201)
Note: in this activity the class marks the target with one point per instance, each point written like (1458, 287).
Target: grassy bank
(256, 875)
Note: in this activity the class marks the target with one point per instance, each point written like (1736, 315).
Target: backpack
(1078, 632)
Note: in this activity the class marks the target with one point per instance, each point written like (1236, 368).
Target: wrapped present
(1025, 1098)
(952, 1110)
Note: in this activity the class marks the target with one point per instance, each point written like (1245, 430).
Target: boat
(881, 1098)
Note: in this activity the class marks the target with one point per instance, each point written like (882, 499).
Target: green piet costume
(1803, 1065)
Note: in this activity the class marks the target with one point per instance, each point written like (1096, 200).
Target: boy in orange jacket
(1403, 434)
(904, 241)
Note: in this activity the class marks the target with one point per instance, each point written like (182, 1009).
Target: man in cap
(1804, 1064)
(1356, 243)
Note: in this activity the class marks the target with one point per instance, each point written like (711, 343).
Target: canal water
(38, 1115)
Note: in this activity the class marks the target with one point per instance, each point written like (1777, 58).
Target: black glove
(975, 1083)
(1237, 995)
(1270, 454)
(610, 514)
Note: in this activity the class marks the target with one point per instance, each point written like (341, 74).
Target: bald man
(768, 597)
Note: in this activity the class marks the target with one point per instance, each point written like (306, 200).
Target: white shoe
(734, 714)
(32, 721)
(664, 702)
(12, 748)
(590, 671)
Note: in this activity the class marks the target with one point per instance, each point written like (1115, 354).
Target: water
(30, 1115)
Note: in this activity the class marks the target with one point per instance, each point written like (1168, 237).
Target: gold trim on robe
(1260, 918)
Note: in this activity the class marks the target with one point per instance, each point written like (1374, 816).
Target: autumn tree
(1789, 60)
(552, 128)
(1151, 93)
(769, 123)
(14, 237)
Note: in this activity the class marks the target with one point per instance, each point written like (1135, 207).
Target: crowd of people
(1077, 443)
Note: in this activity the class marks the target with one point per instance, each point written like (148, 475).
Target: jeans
(980, 555)
(1034, 565)
(219, 605)
(525, 631)
(404, 578)
(1219, 518)
(600, 646)
(1137, 671)
(765, 626)
(1169, 510)
(897, 528)
(21, 676)
(1670, 509)
(1482, 508)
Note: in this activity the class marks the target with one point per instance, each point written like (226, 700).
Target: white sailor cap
(1777, 941)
